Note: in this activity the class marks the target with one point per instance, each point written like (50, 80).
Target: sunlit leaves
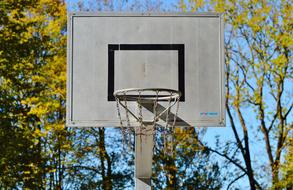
(32, 89)
(258, 47)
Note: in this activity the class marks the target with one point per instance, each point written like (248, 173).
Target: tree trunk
(171, 173)
(105, 159)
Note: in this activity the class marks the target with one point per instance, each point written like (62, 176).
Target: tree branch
(232, 161)
(236, 179)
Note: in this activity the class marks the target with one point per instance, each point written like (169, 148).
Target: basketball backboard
(107, 52)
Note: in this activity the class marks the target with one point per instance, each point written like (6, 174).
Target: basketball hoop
(151, 97)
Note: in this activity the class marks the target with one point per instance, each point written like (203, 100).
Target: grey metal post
(143, 160)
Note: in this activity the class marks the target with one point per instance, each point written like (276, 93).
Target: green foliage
(258, 56)
(32, 91)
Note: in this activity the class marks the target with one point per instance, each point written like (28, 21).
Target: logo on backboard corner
(209, 114)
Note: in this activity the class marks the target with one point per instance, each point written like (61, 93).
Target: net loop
(145, 97)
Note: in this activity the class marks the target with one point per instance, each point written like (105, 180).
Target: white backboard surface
(107, 52)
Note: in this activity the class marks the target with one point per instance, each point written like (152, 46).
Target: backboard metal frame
(70, 122)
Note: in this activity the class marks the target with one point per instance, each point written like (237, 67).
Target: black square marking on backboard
(124, 47)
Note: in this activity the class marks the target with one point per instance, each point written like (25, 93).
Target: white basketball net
(163, 116)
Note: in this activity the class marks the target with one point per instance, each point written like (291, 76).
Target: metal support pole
(143, 160)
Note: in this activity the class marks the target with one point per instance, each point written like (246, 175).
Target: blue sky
(166, 5)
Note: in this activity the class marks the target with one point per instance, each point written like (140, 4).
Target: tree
(32, 93)
(99, 161)
(180, 162)
(258, 54)
(37, 151)
(286, 180)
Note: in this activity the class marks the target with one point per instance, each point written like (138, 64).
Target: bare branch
(289, 110)
(272, 122)
(225, 156)
(236, 179)
(232, 161)
(239, 144)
